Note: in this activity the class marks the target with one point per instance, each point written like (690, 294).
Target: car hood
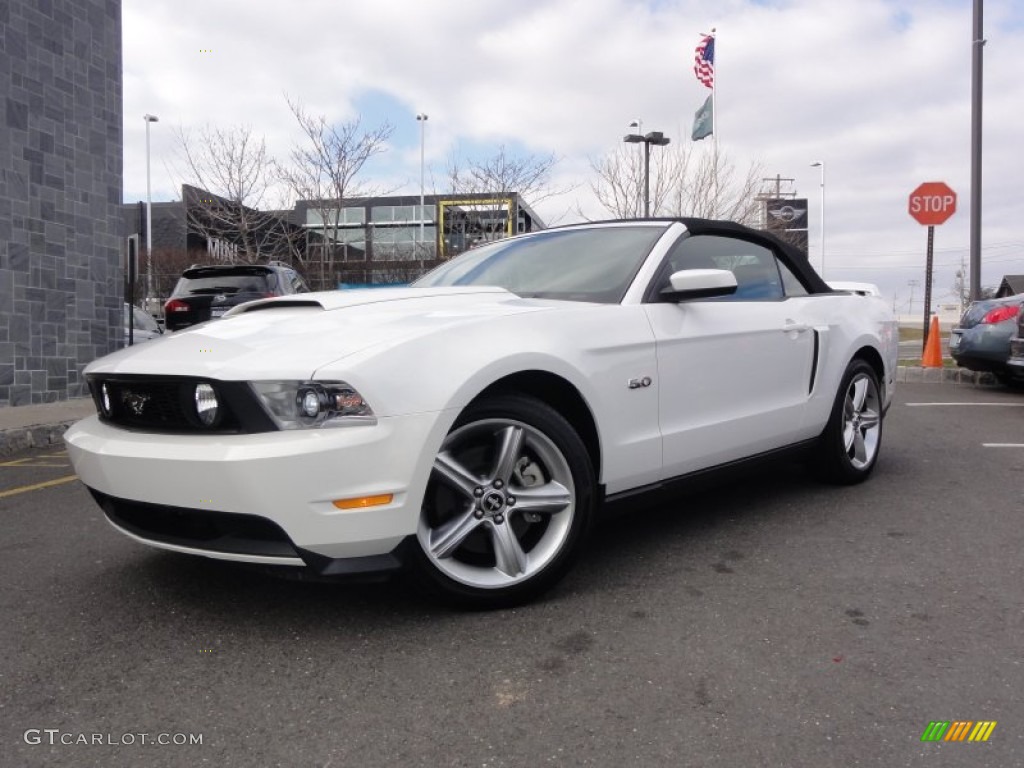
(290, 337)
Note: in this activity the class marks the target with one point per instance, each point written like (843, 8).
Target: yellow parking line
(16, 462)
(37, 486)
(22, 463)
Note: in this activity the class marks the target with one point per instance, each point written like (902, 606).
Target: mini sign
(932, 203)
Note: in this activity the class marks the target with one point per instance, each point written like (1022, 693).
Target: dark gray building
(393, 239)
(60, 192)
(1010, 285)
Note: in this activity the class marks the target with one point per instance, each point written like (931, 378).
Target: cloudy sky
(879, 90)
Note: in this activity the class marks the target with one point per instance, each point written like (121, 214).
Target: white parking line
(1002, 445)
(1002, 405)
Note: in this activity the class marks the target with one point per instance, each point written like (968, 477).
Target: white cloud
(879, 90)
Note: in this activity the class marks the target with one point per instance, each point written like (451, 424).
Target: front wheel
(508, 504)
(848, 448)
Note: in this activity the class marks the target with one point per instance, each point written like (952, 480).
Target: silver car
(981, 342)
(145, 327)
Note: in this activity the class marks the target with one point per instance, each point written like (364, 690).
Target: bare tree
(325, 168)
(233, 176)
(684, 181)
(487, 185)
(503, 173)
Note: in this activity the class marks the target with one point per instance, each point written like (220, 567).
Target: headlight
(206, 404)
(105, 399)
(303, 404)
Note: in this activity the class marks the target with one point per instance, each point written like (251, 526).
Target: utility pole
(913, 284)
(977, 44)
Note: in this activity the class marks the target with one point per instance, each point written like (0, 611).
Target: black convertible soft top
(789, 253)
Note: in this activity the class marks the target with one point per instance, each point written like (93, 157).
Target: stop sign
(932, 203)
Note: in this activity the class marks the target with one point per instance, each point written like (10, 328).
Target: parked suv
(206, 293)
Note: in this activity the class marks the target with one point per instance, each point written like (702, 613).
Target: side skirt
(656, 493)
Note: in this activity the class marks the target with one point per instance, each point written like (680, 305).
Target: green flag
(704, 121)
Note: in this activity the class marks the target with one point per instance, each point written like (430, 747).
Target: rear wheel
(508, 504)
(848, 448)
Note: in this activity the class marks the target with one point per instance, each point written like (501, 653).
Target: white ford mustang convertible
(471, 425)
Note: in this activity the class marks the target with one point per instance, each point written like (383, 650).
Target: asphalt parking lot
(773, 622)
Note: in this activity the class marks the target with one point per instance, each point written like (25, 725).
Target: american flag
(704, 61)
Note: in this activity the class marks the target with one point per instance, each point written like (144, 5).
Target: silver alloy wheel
(862, 424)
(512, 501)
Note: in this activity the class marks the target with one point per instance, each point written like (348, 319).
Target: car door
(734, 371)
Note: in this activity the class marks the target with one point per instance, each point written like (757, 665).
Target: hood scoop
(279, 304)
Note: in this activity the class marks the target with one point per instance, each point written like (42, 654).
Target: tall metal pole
(647, 179)
(821, 164)
(638, 124)
(654, 137)
(823, 219)
(149, 217)
(977, 44)
(422, 118)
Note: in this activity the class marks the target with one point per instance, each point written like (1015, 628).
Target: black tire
(847, 451)
(508, 506)
(1009, 380)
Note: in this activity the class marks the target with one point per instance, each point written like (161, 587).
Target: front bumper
(287, 480)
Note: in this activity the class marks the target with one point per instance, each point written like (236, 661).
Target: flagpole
(714, 98)
(704, 69)
(714, 121)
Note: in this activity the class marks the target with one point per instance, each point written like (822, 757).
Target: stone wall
(60, 192)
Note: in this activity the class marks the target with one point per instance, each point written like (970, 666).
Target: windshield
(254, 282)
(592, 264)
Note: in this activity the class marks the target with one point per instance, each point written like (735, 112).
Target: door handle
(791, 327)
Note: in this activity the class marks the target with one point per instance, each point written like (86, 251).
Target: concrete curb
(23, 438)
(915, 374)
(41, 425)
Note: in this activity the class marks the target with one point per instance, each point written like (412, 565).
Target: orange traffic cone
(932, 347)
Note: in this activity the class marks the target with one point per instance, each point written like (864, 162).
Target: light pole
(149, 217)
(821, 164)
(659, 140)
(422, 120)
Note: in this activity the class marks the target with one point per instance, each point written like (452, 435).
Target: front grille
(212, 531)
(167, 404)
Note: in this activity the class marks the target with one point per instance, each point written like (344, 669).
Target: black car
(206, 293)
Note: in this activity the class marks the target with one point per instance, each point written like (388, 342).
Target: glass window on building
(349, 215)
(354, 215)
(402, 214)
(402, 243)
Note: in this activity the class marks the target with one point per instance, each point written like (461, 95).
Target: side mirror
(689, 284)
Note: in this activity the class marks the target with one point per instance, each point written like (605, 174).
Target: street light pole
(422, 119)
(149, 216)
(658, 139)
(821, 164)
(647, 179)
